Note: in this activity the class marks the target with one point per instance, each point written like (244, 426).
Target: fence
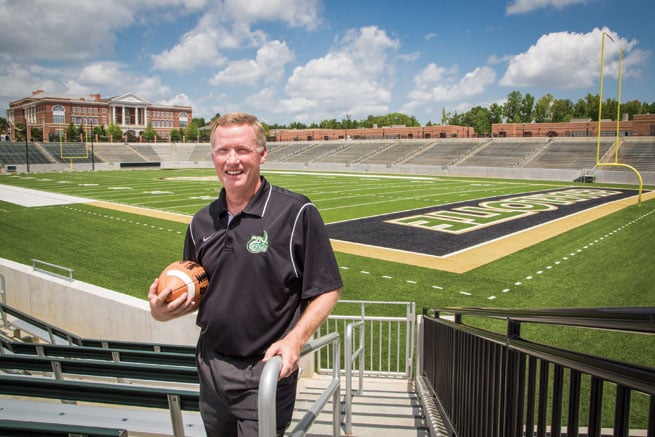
(389, 329)
(490, 384)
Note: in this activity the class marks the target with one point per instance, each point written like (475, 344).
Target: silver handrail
(266, 406)
(349, 360)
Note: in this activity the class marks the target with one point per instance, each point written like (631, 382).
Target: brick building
(640, 125)
(54, 113)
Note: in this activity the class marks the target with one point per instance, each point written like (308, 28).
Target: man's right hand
(162, 310)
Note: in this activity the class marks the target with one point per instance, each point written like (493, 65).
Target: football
(184, 277)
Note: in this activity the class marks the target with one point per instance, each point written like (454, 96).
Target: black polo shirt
(263, 267)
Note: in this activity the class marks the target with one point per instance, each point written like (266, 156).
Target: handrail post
(266, 408)
(175, 408)
(336, 375)
(348, 361)
(3, 300)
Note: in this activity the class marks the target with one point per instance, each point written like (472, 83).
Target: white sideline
(28, 197)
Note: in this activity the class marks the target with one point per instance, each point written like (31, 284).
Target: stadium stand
(118, 152)
(14, 153)
(506, 152)
(637, 152)
(563, 153)
(442, 152)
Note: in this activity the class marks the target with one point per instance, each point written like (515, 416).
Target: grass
(604, 263)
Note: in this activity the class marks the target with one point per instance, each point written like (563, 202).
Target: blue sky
(310, 60)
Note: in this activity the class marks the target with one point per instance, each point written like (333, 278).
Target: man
(273, 279)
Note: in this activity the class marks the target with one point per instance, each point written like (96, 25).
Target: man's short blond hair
(240, 118)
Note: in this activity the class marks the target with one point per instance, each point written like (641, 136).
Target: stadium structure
(451, 377)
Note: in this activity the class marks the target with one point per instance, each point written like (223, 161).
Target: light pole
(27, 154)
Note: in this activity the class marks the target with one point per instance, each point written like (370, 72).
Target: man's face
(237, 159)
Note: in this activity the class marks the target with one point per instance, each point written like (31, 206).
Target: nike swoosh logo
(209, 237)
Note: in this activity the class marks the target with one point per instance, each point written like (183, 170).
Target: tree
(71, 133)
(542, 112)
(496, 113)
(115, 132)
(527, 106)
(592, 106)
(561, 110)
(150, 133)
(480, 119)
(512, 108)
(200, 122)
(191, 132)
(175, 135)
(580, 109)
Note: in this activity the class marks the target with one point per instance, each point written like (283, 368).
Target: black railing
(488, 384)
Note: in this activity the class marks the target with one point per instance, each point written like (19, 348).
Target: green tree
(444, 116)
(200, 122)
(561, 110)
(115, 132)
(71, 133)
(176, 135)
(542, 112)
(526, 109)
(3, 124)
(580, 109)
(592, 106)
(191, 132)
(150, 133)
(496, 113)
(479, 118)
(512, 107)
(36, 134)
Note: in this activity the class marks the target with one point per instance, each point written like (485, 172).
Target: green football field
(604, 263)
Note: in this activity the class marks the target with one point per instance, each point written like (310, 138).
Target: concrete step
(386, 407)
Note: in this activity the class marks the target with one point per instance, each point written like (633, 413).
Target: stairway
(386, 407)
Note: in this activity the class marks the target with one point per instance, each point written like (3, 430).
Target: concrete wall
(90, 311)
(95, 312)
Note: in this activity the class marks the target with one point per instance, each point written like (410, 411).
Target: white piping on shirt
(293, 231)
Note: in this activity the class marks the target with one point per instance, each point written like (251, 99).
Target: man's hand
(162, 310)
(289, 349)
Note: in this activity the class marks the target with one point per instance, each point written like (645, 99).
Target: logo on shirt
(258, 244)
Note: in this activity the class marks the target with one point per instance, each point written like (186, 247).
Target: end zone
(494, 247)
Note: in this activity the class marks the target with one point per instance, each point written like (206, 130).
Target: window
(58, 114)
(184, 119)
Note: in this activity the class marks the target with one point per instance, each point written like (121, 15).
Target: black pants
(229, 393)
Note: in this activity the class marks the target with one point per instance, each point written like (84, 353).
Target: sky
(312, 60)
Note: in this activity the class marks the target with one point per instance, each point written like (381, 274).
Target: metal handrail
(507, 395)
(266, 406)
(349, 360)
(637, 319)
(35, 262)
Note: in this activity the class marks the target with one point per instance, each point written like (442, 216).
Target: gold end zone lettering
(468, 218)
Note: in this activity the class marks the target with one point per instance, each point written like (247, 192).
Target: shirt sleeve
(189, 253)
(314, 254)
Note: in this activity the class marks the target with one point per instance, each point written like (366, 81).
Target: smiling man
(273, 279)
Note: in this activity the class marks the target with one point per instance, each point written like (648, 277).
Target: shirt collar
(256, 206)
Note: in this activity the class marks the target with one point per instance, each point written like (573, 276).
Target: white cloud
(355, 77)
(440, 84)
(67, 30)
(566, 60)
(180, 99)
(228, 26)
(295, 13)
(525, 6)
(268, 66)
